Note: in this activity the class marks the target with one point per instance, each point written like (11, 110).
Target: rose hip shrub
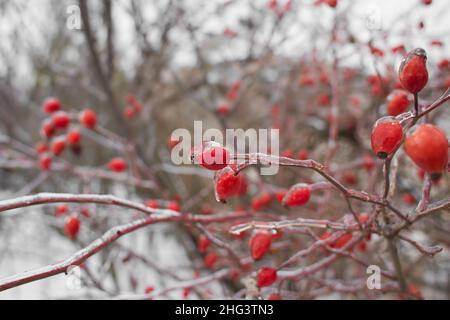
(363, 115)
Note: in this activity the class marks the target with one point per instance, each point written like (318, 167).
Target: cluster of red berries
(72, 223)
(133, 108)
(60, 121)
(427, 146)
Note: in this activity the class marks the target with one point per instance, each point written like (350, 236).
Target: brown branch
(109, 237)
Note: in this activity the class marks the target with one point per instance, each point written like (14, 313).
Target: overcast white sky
(35, 22)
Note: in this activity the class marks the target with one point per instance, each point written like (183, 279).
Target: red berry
(259, 245)
(363, 218)
(298, 195)
(58, 145)
(368, 162)
(428, 148)
(174, 206)
(350, 177)
(72, 227)
(413, 73)
(287, 153)
(45, 162)
(41, 147)
(47, 129)
(279, 195)
(117, 165)
(342, 241)
(227, 184)
(427, 2)
(51, 105)
(61, 210)
(85, 212)
(409, 199)
(61, 120)
(303, 155)
(387, 135)
(266, 277)
(88, 118)
(152, 204)
(211, 156)
(274, 296)
(149, 290)
(203, 243)
(210, 260)
(129, 112)
(186, 292)
(264, 200)
(223, 108)
(398, 102)
(73, 137)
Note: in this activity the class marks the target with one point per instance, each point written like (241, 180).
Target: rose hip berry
(210, 260)
(298, 195)
(387, 135)
(61, 210)
(51, 105)
(174, 206)
(41, 147)
(203, 243)
(264, 200)
(398, 102)
(427, 147)
(227, 184)
(88, 118)
(45, 162)
(73, 137)
(413, 73)
(47, 129)
(58, 145)
(259, 245)
(117, 165)
(266, 277)
(211, 156)
(61, 120)
(72, 227)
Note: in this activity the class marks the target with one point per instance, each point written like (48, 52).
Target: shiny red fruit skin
(88, 118)
(264, 200)
(61, 210)
(413, 73)
(47, 129)
(259, 245)
(297, 197)
(266, 277)
(72, 227)
(227, 184)
(387, 135)
(174, 206)
(210, 260)
(117, 165)
(203, 244)
(427, 147)
(58, 146)
(51, 105)
(45, 162)
(152, 204)
(61, 120)
(209, 155)
(342, 241)
(73, 137)
(41, 148)
(398, 103)
(274, 296)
